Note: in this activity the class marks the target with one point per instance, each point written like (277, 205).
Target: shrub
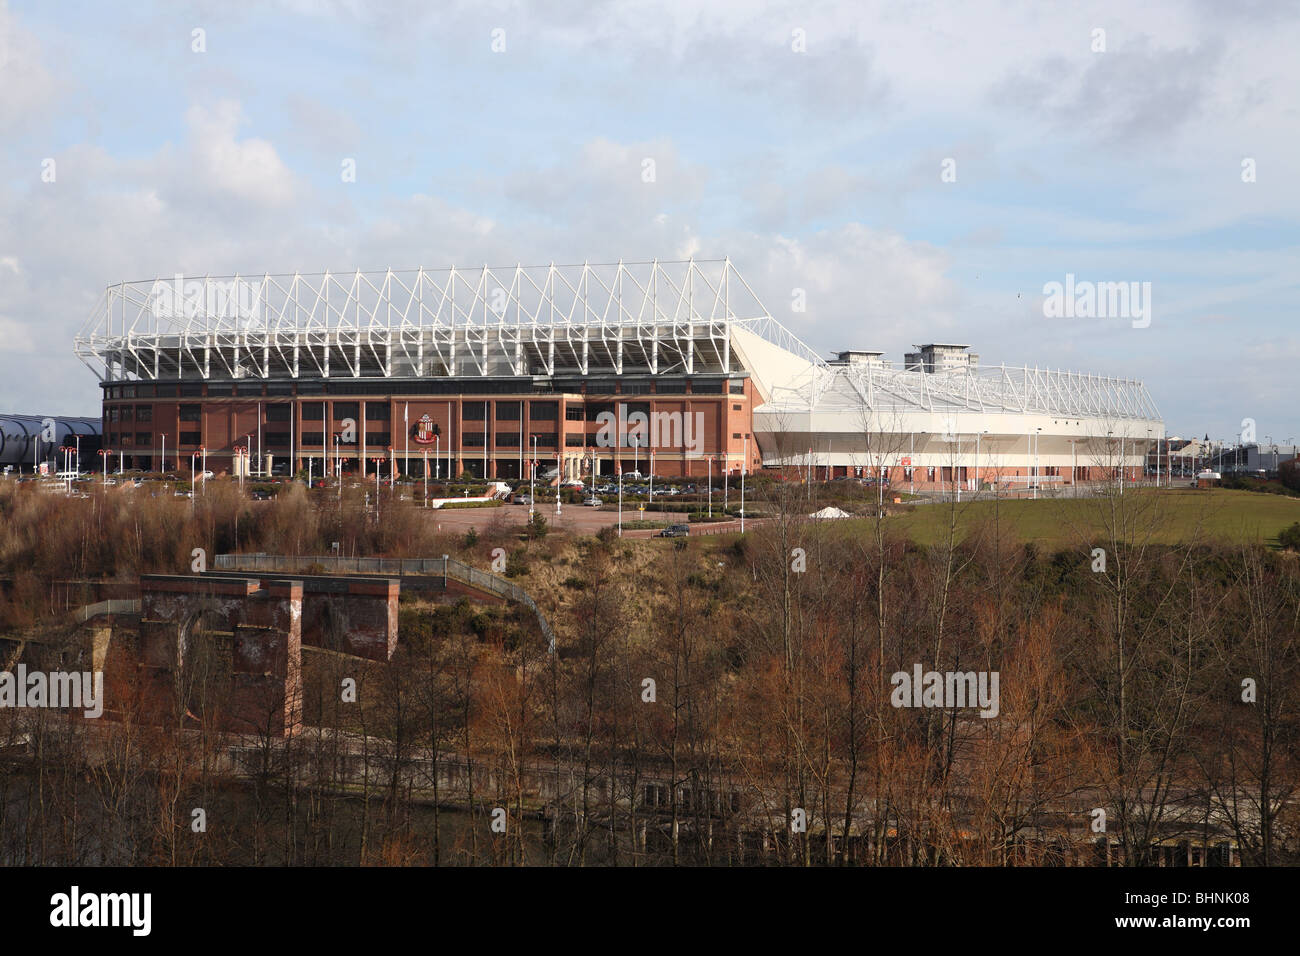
(517, 563)
(471, 537)
(1289, 472)
(1289, 538)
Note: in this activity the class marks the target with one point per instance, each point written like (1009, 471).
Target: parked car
(675, 531)
(592, 502)
(634, 475)
(522, 500)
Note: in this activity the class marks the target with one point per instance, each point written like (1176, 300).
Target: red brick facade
(489, 435)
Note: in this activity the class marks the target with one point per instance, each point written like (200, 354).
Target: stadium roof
(694, 316)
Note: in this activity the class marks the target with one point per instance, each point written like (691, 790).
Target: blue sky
(816, 168)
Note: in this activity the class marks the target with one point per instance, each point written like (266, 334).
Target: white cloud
(26, 86)
(15, 336)
(249, 169)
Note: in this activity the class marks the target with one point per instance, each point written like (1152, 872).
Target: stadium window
(544, 411)
(344, 410)
(473, 440)
(507, 439)
(594, 411)
(737, 408)
(190, 438)
(190, 413)
(379, 439)
(378, 411)
(706, 387)
(508, 411)
(544, 439)
(474, 411)
(114, 414)
(277, 413)
(636, 388)
(573, 413)
(276, 439)
(313, 412)
(144, 438)
(128, 413)
(575, 440)
(144, 413)
(735, 434)
(313, 438)
(191, 390)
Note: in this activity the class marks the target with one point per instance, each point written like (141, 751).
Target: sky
(882, 174)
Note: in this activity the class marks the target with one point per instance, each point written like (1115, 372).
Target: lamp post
(203, 451)
(532, 481)
(104, 453)
(1110, 441)
(426, 477)
(162, 463)
(744, 465)
(710, 470)
(1038, 431)
(559, 482)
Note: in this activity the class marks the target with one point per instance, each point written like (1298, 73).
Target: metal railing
(448, 567)
(83, 614)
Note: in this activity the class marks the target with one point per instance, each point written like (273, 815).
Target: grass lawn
(1178, 515)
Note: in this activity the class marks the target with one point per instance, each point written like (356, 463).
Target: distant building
(937, 357)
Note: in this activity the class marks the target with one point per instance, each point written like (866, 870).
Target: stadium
(672, 368)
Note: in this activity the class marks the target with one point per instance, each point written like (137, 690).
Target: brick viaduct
(198, 632)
